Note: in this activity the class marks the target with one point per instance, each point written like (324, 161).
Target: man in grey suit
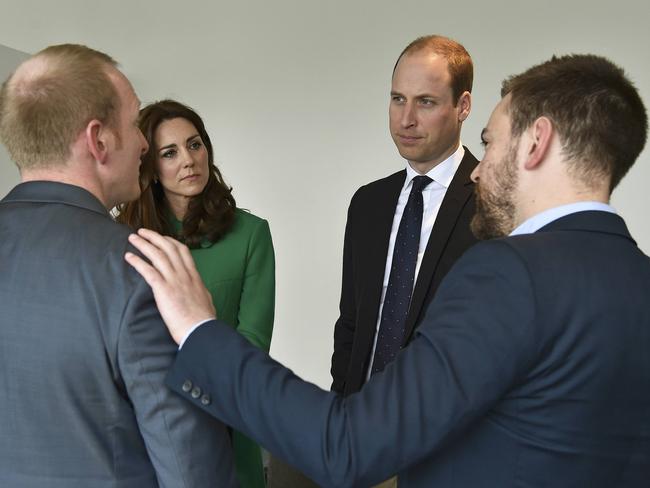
(83, 350)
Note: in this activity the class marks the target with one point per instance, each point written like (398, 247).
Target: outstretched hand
(180, 294)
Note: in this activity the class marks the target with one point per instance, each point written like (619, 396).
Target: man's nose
(474, 175)
(408, 115)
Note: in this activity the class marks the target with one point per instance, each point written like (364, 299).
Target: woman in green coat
(184, 195)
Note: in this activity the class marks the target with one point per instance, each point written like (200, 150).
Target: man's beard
(495, 210)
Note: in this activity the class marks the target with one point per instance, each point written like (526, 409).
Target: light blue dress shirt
(539, 220)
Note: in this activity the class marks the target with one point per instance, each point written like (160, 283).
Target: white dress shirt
(432, 197)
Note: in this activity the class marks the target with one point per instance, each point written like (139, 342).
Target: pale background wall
(295, 94)
(9, 59)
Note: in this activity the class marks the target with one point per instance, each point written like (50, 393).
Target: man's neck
(536, 206)
(423, 168)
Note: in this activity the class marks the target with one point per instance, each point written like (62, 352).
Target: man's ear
(540, 135)
(96, 135)
(464, 106)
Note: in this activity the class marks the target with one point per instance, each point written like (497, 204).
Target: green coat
(239, 271)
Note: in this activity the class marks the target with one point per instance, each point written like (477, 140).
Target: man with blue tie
(531, 366)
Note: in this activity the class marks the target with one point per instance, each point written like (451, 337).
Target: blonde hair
(50, 98)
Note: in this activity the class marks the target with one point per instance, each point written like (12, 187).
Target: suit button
(196, 392)
(205, 399)
(187, 386)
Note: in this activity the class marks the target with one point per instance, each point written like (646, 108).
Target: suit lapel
(459, 191)
(377, 239)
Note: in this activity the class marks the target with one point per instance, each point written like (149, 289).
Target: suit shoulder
(100, 232)
(469, 157)
(380, 186)
(396, 178)
(502, 253)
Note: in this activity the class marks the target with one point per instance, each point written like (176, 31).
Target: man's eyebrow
(418, 96)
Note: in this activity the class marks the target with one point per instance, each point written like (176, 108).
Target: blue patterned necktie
(400, 280)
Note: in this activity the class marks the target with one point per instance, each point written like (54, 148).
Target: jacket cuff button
(187, 386)
(205, 400)
(196, 392)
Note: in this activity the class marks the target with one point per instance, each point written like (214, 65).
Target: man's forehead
(499, 117)
(501, 110)
(425, 62)
(421, 72)
(122, 84)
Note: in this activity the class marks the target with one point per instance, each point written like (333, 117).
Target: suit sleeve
(187, 448)
(257, 302)
(346, 323)
(476, 341)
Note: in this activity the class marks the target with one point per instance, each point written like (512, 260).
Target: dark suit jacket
(83, 357)
(530, 369)
(370, 218)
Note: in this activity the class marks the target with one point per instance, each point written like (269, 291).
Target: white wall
(9, 176)
(295, 97)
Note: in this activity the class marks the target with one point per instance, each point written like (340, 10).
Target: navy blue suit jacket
(531, 368)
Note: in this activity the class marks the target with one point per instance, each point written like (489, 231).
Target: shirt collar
(442, 173)
(536, 222)
(45, 191)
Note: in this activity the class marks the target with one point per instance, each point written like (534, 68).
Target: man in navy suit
(531, 366)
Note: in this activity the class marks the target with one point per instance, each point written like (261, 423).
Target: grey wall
(295, 96)
(9, 176)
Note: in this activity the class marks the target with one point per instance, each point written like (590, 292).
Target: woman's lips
(190, 177)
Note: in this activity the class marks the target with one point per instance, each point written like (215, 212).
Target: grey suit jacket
(83, 356)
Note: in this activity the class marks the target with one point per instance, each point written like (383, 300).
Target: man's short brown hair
(595, 108)
(49, 100)
(459, 62)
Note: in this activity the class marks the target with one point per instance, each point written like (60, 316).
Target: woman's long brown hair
(209, 215)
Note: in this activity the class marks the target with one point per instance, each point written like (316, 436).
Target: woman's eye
(168, 154)
(195, 145)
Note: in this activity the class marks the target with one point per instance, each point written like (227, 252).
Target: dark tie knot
(420, 183)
